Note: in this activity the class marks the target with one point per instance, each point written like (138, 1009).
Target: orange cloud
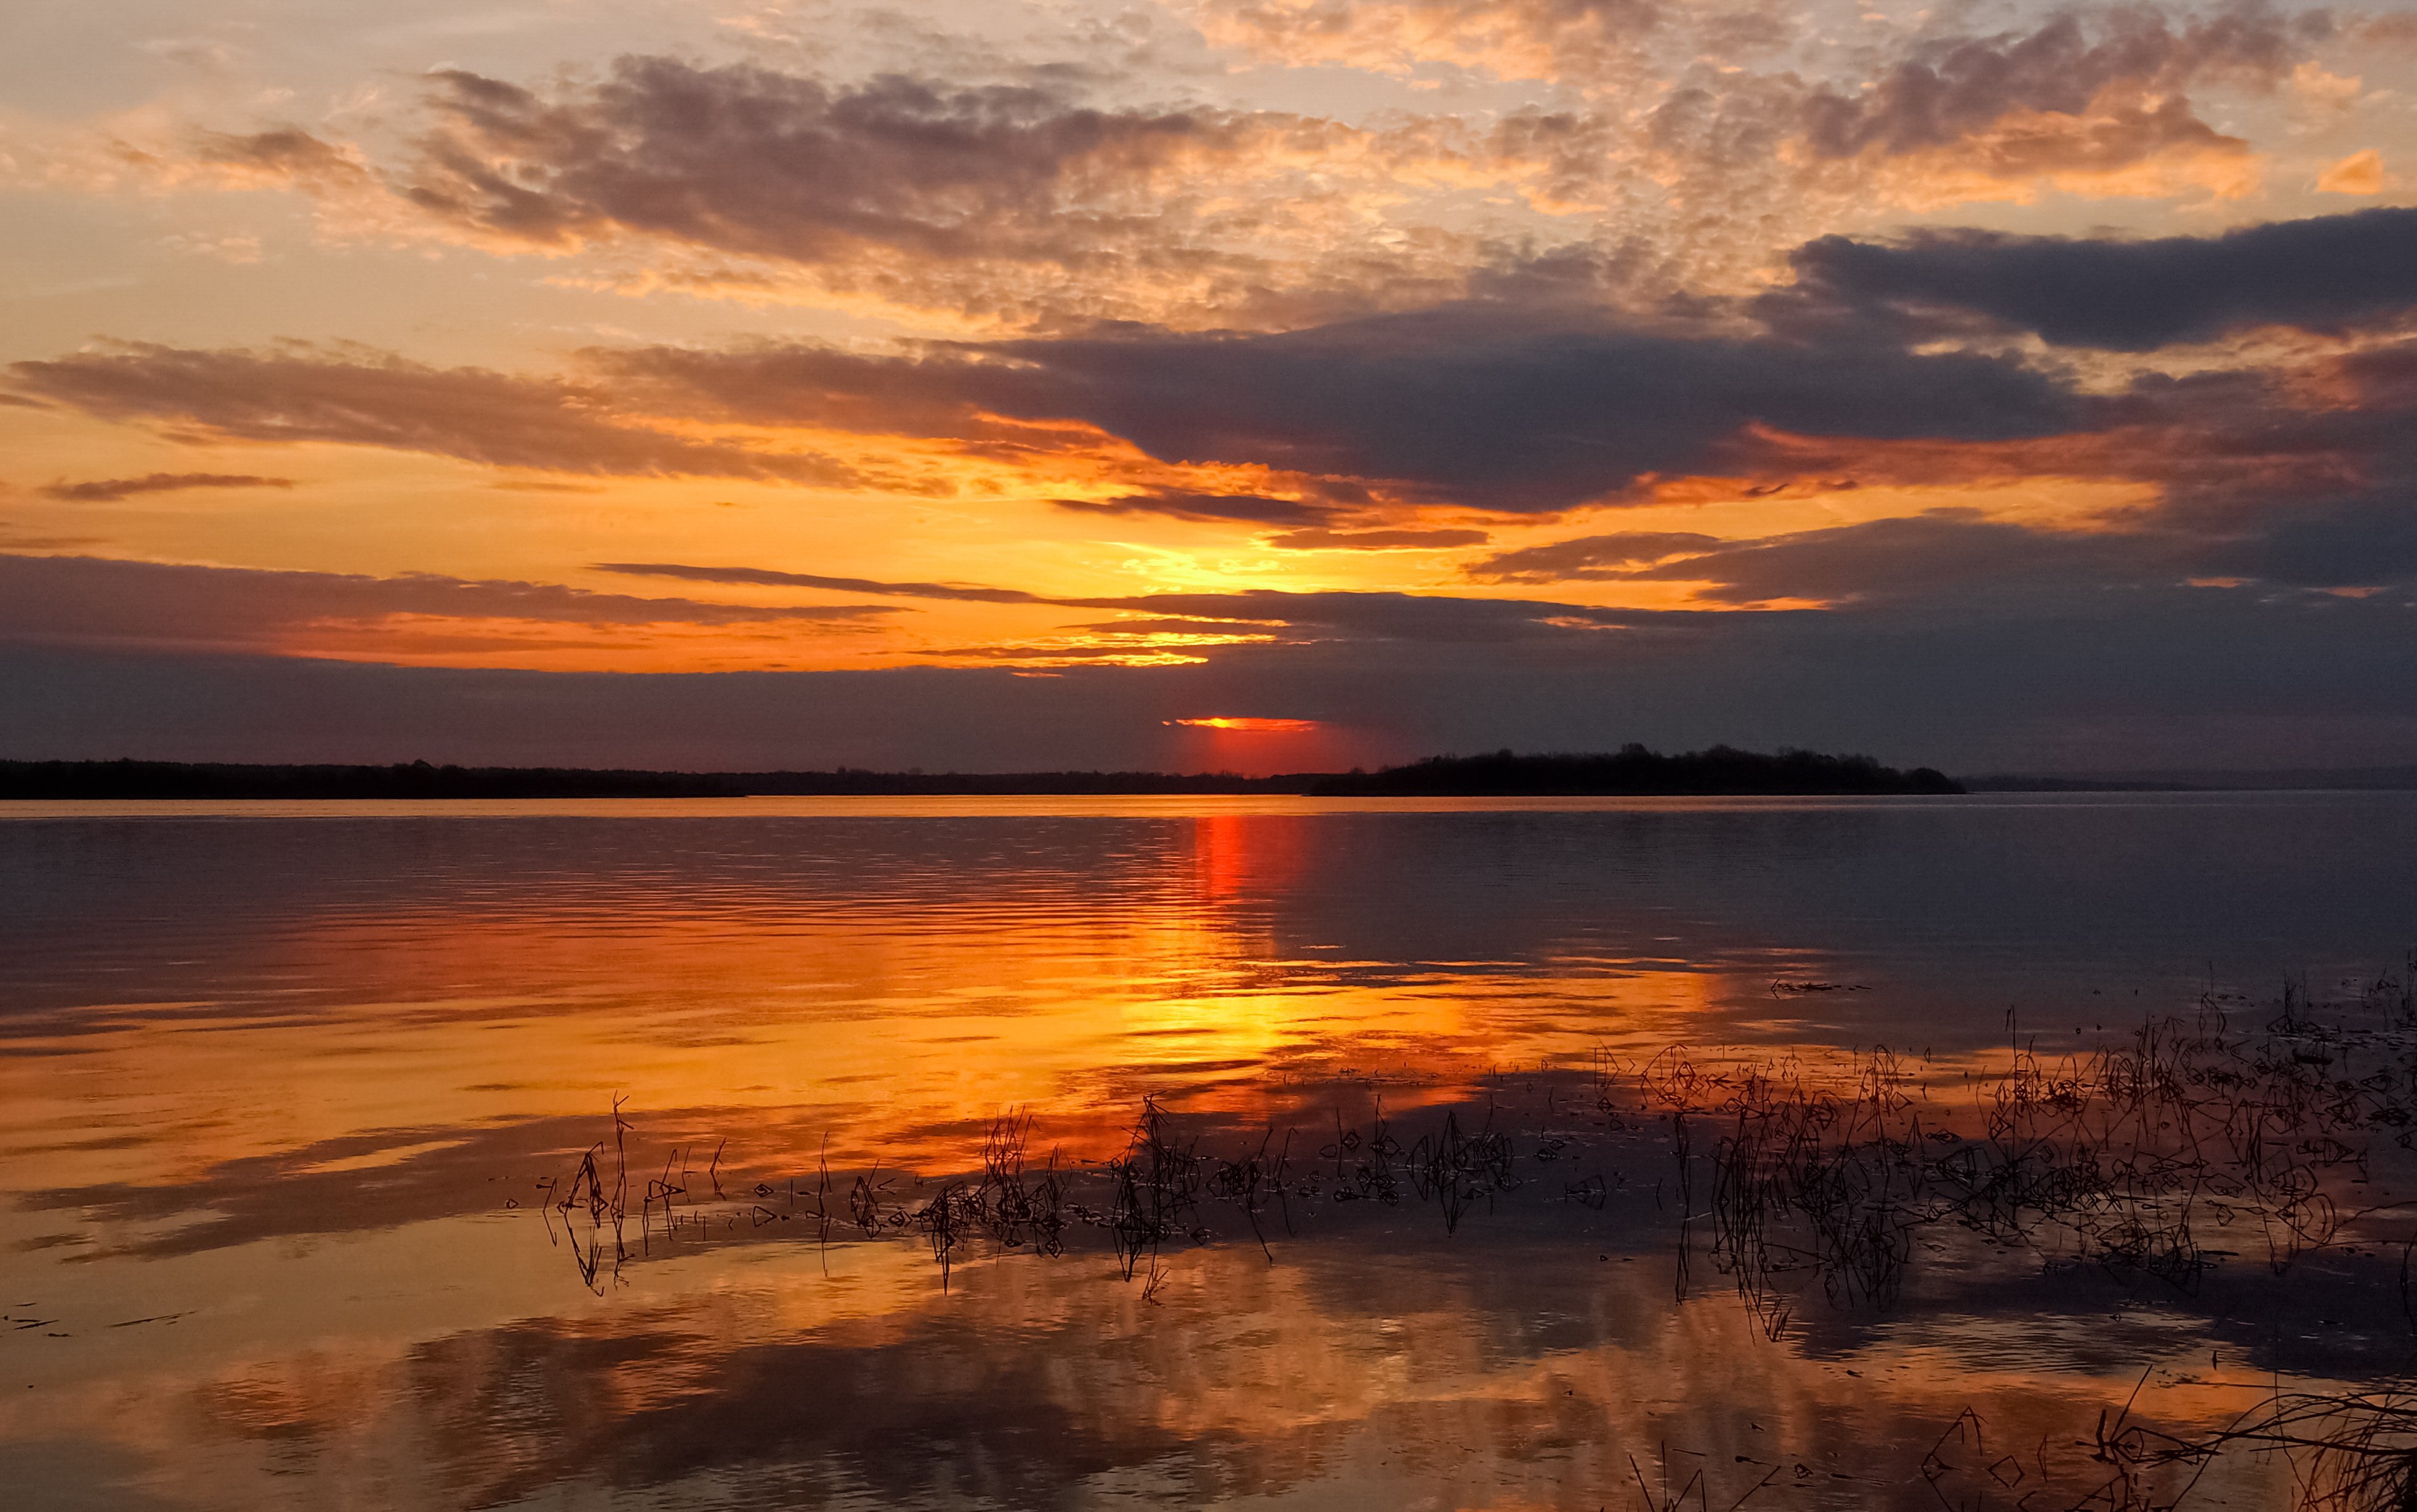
(2361, 172)
(1522, 39)
(2110, 157)
(1248, 724)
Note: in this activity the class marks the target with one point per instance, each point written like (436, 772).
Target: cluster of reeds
(1806, 1179)
(2128, 1157)
(589, 1211)
(1454, 1170)
(1155, 1196)
(1004, 1205)
(2347, 1450)
(2148, 1157)
(2353, 1451)
(2158, 1155)
(1251, 1182)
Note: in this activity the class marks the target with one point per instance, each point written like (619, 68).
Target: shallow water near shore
(1262, 1151)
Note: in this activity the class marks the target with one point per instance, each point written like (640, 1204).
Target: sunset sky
(1210, 383)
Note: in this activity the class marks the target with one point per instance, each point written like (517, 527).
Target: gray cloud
(1959, 561)
(749, 161)
(1502, 406)
(1497, 405)
(1508, 407)
(2161, 678)
(1018, 199)
(93, 600)
(1585, 557)
(1413, 617)
(2325, 274)
(1951, 88)
(2095, 98)
(2247, 452)
(1944, 558)
(1010, 201)
(2369, 542)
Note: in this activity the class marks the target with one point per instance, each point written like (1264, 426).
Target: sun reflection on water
(276, 1098)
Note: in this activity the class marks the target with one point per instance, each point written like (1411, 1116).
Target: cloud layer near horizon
(96, 602)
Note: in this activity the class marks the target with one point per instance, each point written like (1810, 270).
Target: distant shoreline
(1632, 772)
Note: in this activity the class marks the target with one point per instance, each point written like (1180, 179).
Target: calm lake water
(295, 1102)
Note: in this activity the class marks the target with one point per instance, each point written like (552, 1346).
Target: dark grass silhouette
(2227, 1136)
(2129, 1157)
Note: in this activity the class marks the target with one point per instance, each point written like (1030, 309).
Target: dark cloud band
(372, 399)
(100, 601)
(2325, 274)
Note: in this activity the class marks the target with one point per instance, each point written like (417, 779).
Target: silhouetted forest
(92, 780)
(1635, 769)
(1631, 769)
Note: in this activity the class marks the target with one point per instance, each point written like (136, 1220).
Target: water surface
(288, 1095)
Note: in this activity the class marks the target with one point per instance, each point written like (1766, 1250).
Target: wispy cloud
(1179, 505)
(364, 398)
(103, 490)
(101, 601)
(1442, 616)
(1320, 538)
(747, 159)
(766, 577)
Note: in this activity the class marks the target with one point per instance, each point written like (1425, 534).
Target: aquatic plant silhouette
(2158, 1156)
(1250, 1181)
(1158, 1184)
(1454, 1170)
(603, 1209)
(2127, 1157)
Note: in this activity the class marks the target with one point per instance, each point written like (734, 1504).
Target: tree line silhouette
(1631, 769)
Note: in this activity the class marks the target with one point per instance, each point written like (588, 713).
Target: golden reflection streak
(876, 1020)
